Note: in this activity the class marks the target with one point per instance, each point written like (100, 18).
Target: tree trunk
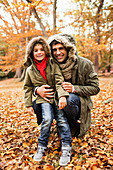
(109, 66)
(23, 74)
(18, 72)
(96, 62)
(98, 34)
(54, 16)
(28, 27)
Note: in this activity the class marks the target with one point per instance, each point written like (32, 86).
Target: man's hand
(45, 92)
(62, 102)
(67, 87)
(30, 110)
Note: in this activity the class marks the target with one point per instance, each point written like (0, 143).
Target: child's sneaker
(40, 153)
(66, 154)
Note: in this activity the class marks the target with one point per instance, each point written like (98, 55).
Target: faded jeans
(47, 119)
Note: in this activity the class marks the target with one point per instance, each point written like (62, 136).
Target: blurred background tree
(89, 21)
(94, 30)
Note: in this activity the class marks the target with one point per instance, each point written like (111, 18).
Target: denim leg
(47, 119)
(63, 126)
(38, 111)
(72, 110)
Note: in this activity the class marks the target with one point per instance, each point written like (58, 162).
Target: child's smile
(38, 52)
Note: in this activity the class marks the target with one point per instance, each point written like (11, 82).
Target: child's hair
(33, 42)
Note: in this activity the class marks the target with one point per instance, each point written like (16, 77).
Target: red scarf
(41, 66)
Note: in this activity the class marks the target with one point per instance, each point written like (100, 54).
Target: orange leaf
(25, 145)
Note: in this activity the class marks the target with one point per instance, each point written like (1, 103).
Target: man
(81, 81)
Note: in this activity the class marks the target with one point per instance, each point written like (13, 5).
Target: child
(44, 71)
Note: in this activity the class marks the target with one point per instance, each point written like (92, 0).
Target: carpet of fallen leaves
(19, 133)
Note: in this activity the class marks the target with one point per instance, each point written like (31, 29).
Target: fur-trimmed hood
(68, 41)
(30, 46)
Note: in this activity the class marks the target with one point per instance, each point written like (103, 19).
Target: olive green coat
(85, 81)
(33, 77)
(83, 77)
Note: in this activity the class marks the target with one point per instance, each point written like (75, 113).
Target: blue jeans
(47, 119)
(72, 110)
(63, 126)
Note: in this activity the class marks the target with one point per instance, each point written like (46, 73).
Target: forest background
(89, 21)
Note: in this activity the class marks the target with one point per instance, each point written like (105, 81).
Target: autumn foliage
(19, 133)
(17, 29)
(89, 21)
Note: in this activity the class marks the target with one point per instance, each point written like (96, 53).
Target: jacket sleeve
(28, 87)
(58, 80)
(90, 86)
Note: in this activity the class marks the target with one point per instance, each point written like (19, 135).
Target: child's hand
(30, 110)
(62, 103)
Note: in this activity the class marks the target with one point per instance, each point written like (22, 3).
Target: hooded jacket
(83, 77)
(33, 77)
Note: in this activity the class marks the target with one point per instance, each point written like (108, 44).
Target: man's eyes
(61, 48)
(54, 50)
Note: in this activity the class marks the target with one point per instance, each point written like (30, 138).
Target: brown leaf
(48, 167)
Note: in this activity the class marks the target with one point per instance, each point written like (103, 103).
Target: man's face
(59, 52)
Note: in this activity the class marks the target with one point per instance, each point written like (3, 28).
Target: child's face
(38, 52)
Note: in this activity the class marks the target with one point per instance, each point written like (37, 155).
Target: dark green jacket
(83, 77)
(33, 78)
(86, 83)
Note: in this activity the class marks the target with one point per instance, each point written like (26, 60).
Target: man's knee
(73, 100)
(37, 107)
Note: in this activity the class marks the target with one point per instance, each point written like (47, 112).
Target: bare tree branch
(38, 19)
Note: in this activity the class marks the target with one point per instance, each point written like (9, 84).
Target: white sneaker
(40, 153)
(66, 154)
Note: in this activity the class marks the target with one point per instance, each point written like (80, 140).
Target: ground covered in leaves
(19, 133)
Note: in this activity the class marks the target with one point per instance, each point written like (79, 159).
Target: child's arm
(62, 102)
